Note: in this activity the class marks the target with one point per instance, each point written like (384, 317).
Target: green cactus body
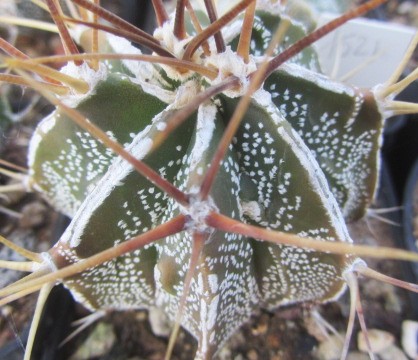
(71, 162)
(342, 127)
(259, 183)
(6, 117)
(304, 158)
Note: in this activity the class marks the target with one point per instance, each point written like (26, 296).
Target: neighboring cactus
(304, 159)
(5, 113)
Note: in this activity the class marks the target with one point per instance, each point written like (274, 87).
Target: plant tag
(363, 52)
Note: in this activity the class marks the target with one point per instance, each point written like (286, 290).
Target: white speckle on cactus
(140, 69)
(161, 126)
(251, 209)
(154, 87)
(317, 179)
(204, 132)
(271, 7)
(213, 283)
(209, 314)
(197, 212)
(86, 73)
(262, 97)
(317, 78)
(117, 171)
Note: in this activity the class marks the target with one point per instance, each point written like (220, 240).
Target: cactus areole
(304, 161)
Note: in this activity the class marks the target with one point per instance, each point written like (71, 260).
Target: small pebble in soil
(99, 342)
(12, 197)
(357, 355)
(252, 355)
(315, 326)
(379, 340)
(33, 215)
(239, 357)
(235, 342)
(331, 348)
(410, 338)
(261, 327)
(160, 323)
(393, 353)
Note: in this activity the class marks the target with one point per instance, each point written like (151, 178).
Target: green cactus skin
(6, 117)
(304, 160)
(342, 127)
(72, 161)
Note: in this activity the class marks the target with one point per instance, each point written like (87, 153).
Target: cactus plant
(208, 179)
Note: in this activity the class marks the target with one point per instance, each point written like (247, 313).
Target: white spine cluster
(197, 212)
(86, 73)
(230, 64)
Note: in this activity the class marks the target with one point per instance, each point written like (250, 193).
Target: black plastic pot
(55, 322)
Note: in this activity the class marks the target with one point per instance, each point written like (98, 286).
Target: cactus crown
(174, 166)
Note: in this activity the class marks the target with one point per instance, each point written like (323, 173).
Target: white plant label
(363, 52)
